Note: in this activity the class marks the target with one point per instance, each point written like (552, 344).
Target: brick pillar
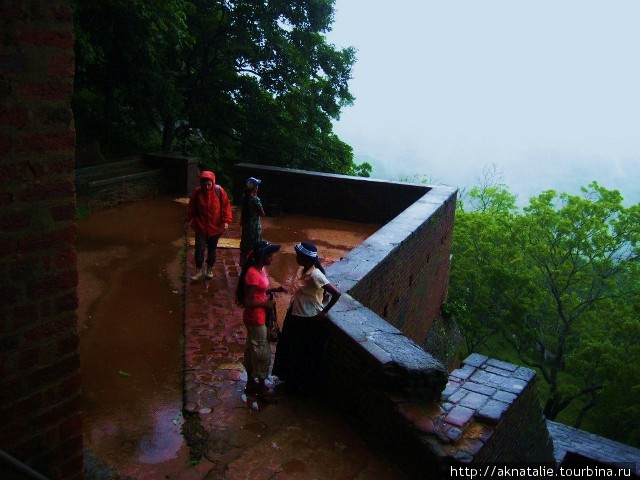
(39, 363)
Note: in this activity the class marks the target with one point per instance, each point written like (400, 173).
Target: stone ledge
(402, 364)
(473, 420)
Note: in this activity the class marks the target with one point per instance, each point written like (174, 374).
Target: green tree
(485, 288)
(228, 81)
(265, 85)
(129, 70)
(584, 251)
(556, 283)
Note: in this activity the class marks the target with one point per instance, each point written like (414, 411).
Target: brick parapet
(342, 197)
(495, 406)
(39, 371)
(488, 412)
(401, 272)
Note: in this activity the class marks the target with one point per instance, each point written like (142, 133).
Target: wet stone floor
(131, 323)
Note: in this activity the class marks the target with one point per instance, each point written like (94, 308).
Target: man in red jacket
(209, 214)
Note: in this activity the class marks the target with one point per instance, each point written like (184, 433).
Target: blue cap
(253, 182)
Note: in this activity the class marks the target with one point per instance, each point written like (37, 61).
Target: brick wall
(39, 368)
(401, 272)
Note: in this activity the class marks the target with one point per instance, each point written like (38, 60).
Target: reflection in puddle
(165, 441)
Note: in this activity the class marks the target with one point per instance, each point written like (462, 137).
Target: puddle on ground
(131, 324)
(130, 318)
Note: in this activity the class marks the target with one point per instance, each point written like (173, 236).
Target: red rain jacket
(205, 212)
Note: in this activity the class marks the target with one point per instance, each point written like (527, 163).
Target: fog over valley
(546, 91)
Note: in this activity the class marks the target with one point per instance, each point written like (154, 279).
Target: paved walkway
(237, 437)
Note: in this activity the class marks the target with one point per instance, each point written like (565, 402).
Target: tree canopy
(228, 81)
(556, 287)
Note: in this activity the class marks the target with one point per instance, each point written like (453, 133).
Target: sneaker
(209, 273)
(199, 274)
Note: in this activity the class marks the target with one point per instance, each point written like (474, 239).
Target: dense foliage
(555, 287)
(227, 80)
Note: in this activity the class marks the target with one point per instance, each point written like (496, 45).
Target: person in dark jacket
(250, 215)
(209, 214)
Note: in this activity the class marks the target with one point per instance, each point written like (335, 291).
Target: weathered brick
(22, 316)
(46, 38)
(29, 358)
(459, 416)
(72, 468)
(65, 259)
(14, 117)
(51, 373)
(11, 9)
(69, 387)
(50, 328)
(6, 144)
(61, 238)
(8, 293)
(63, 212)
(27, 406)
(14, 222)
(68, 345)
(66, 303)
(37, 144)
(47, 191)
(43, 92)
(55, 115)
(61, 66)
(62, 13)
(40, 142)
(63, 281)
(71, 426)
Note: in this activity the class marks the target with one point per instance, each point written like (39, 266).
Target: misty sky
(548, 91)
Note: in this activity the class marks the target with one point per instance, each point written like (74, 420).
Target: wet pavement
(130, 319)
(239, 437)
(131, 323)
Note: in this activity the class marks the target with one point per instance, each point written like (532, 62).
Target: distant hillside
(527, 178)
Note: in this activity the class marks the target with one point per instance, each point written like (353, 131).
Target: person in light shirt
(301, 344)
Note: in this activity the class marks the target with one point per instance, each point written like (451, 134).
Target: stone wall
(328, 195)
(129, 179)
(39, 362)
(401, 272)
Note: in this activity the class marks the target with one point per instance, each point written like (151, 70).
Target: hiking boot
(199, 274)
(209, 273)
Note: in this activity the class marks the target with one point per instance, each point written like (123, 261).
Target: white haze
(547, 91)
